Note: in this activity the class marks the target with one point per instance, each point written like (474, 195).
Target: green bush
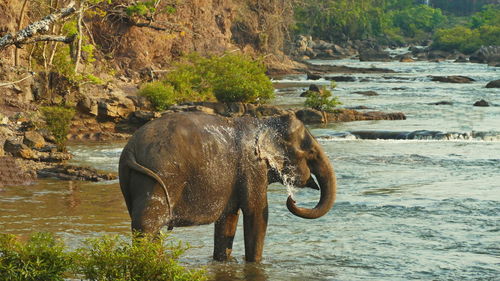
(107, 258)
(113, 258)
(237, 78)
(40, 258)
(229, 78)
(419, 18)
(322, 100)
(161, 96)
(58, 120)
(460, 38)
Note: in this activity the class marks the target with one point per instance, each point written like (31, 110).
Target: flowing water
(417, 199)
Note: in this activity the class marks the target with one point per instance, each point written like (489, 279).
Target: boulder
(313, 76)
(366, 93)
(88, 106)
(141, 102)
(322, 45)
(406, 58)
(441, 103)
(18, 149)
(33, 139)
(310, 116)
(115, 108)
(481, 103)
(341, 78)
(493, 84)
(438, 55)
(314, 88)
(374, 55)
(452, 79)
(461, 58)
(494, 63)
(268, 110)
(486, 54)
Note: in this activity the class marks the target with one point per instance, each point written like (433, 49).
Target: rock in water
(452, 79)
(493, 84)
(481, 103)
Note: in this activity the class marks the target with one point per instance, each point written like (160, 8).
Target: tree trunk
(19, 24)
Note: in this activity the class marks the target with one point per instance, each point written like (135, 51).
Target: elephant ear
(267, 150)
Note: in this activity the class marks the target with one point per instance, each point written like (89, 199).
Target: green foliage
(107, 258)
(347, 19)
(414, 19)
(42, 257)
(229, 78)
(484, 29)
(334, 19)
(162, 96)
(141, 8)
(113, 258)
(322, 100)
(58, 120)
(237, 78)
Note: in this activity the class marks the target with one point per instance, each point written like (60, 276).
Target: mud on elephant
(193, 168)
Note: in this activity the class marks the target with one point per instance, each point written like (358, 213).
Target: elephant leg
(149, 210)
(225, 229)
(255, 226)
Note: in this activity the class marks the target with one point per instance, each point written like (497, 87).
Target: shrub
(42, 257)
(229, 78)
(322, 100)
(58, 120)
(113, 258)
(461, 38)
(106, 258)
(237, 78)
(161, 96)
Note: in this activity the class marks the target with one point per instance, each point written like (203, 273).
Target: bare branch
(18, 81)
(55, 38)
(36, 27)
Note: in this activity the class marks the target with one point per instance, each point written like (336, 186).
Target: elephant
(194, 168)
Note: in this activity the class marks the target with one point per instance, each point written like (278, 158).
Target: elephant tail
(132, 163)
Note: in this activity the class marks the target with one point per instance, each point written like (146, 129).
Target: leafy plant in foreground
(113, 258)
(42, 257)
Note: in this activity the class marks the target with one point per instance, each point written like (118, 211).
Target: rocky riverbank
(306, 48)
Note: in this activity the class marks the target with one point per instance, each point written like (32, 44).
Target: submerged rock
(493, 84)
(452, 79)
(71, 172)
(313, 76)
(366, 93)
(481, 103)
(374, 55)
(441, 103)
(341, 78)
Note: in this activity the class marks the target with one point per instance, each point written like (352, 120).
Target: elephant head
(293, 155)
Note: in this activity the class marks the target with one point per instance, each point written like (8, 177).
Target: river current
(418, 199)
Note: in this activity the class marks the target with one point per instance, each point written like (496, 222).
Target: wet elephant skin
(192, 168)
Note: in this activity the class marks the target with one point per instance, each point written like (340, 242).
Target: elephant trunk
(325, 175)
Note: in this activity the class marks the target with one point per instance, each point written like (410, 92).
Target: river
(417, 199)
